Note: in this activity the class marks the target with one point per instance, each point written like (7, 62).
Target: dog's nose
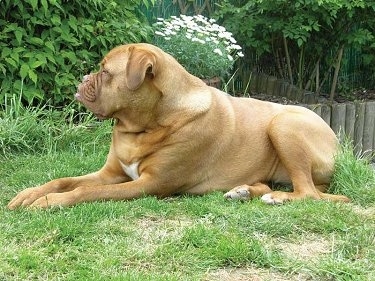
(86, 78)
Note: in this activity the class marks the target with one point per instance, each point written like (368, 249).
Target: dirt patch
(152, 230)
(366, 212)
(276, 99)
(357, 95)
(307, 249)
(310, 249)
(250, 274)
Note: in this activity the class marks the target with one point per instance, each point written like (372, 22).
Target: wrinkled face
(88, 93)
(122, 72)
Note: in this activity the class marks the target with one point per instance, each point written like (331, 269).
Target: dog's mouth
(80, 99)
(87, 89)
(87, 95)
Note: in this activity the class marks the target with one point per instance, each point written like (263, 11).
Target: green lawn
(181, 238)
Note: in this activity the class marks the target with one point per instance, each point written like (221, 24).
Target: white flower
(197, 36)
(218, 51)
(195, 39)
(159, 33)
(236, 47)
(231, 39)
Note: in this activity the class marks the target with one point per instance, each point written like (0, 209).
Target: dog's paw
(25, 198)
(269, 199)
(54, 200)
(238, 193)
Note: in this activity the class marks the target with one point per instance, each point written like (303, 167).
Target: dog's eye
(105, 71)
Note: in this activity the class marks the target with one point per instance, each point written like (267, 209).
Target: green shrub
(47, 45)
(302, 40)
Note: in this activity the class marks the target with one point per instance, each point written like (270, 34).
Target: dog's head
(123, 81)
(141, 85)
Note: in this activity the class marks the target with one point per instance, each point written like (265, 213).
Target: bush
(47, 45)
(303, 41)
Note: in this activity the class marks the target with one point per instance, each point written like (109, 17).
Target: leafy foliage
(299, 38)
(47, 45)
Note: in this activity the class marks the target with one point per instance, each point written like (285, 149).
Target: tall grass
(354, 176)
(45, 129)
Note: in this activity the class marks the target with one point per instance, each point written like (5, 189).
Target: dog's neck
(135, 122)
(184, 96)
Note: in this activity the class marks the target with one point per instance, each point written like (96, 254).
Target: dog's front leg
(121, 191)
(63, 185)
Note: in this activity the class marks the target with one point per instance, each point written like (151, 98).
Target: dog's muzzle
(86, 89)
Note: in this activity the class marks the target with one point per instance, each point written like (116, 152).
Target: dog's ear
(140, 63)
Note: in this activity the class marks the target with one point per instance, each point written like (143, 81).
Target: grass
(45, 130)
(181, 238)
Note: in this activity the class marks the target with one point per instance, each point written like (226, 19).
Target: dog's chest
(131, 170)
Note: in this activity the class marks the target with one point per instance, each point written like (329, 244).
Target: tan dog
(175, 135)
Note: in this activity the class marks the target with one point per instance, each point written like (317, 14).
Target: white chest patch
(131, 170)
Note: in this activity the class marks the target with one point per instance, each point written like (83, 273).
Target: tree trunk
(336, 75)
(288, 61)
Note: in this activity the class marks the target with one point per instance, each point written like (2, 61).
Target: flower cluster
(203, 47)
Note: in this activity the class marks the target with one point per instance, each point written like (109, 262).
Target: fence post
(360, 109)
(338, 119)
(278, 88)
(326, 113)
(271, 83)
(350, 120)
(262, 84)
(368, 130)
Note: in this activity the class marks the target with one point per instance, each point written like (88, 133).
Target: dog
(173, 135)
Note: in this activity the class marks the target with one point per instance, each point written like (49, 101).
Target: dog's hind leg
(245, 192)
(306, 147)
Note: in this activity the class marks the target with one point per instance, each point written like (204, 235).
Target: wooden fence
(355, 120)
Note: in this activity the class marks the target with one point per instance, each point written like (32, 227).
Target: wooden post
(263, 84)
(308, 97)
(254, 82)
(338, 119)
(317, 108)
(326, 113)
(271, 82)
(284, 89)
(277, 91)
(350, 120)
(360, 109)
(368, 129)
(300, 94)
